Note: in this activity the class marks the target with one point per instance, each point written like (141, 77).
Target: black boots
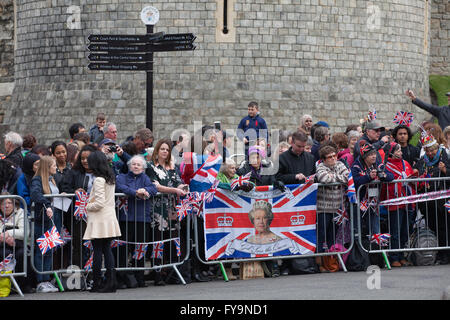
(110, 285)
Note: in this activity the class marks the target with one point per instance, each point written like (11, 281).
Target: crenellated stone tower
(333, 59)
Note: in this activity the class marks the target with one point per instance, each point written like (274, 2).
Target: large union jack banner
(229, 232)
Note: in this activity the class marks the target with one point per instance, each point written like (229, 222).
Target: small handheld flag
(81, 199)
(341, 216)
(49, 240)
(403, 118)
(381, 239)
(8, 264)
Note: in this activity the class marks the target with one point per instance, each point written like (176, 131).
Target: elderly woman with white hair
(306, 124)
(227, 173)
(136, 223)
(13, 147)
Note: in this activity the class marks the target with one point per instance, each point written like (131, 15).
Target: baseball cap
(107, 141)
(374, 125)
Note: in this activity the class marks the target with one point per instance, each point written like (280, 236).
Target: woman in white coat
(102, 224)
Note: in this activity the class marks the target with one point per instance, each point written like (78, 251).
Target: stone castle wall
(440, 34)
(334, 59)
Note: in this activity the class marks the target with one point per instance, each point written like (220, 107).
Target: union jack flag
(240, 181)
(372, 115)
(178, 246)
(228, 228)
(122, 203)
(158, 249)
(81, 199)
(140, 250)
(49, 240)
(341, 216)
(88, 244)
(381, 239)
(403, 118)
(351, 192)
(8, 264)
(447, 205)
(205, 171)
(183, 209)
(117, 243)
(66, 235)
(88, 265)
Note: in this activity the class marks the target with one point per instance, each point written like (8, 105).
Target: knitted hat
(257, 149)
(365, 149)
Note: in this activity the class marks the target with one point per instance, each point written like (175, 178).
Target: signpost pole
(149, 107)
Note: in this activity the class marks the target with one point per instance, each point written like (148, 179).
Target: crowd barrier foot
(341, 262)
(179, 275)
(16, 286)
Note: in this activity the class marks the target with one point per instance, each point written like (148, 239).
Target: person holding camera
(117, 158)
(366, 169)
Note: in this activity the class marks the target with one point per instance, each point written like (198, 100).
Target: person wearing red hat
(366, 169)
(399, 215)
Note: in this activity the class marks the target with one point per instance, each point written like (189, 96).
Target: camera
(112, 149)
(380, 171)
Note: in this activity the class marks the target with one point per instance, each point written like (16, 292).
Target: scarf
(431, 163)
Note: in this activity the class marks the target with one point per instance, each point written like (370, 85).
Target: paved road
(407, 283)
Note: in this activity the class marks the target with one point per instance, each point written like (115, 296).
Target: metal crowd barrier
(401, 214)
(13, 225)
(326, 228)
(143, 245)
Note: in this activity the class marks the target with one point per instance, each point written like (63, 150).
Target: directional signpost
(135, 52)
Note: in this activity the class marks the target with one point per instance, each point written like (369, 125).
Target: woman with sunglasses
(329, 198)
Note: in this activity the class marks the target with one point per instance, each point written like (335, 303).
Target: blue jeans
(370, 223)
(398, 228)
(44, 262)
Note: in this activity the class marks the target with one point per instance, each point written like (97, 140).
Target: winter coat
(101, 212)
(258, 177)
(441, 113)
(290, 164)
(361, 175)
(138, 209)
(37, 196)
(401, 169)
(347, 156)
(14, 224)
(329, 199)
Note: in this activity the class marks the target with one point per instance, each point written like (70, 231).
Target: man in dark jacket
(372, 133)
(13, 147)
(441, 113)
(295, 165)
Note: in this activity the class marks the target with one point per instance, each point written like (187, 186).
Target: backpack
(357, 259)
(303, 266)
(422, 237)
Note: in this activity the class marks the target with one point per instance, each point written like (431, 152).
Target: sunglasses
(331, 156)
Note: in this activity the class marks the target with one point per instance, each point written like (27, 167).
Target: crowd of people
(96, 163)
